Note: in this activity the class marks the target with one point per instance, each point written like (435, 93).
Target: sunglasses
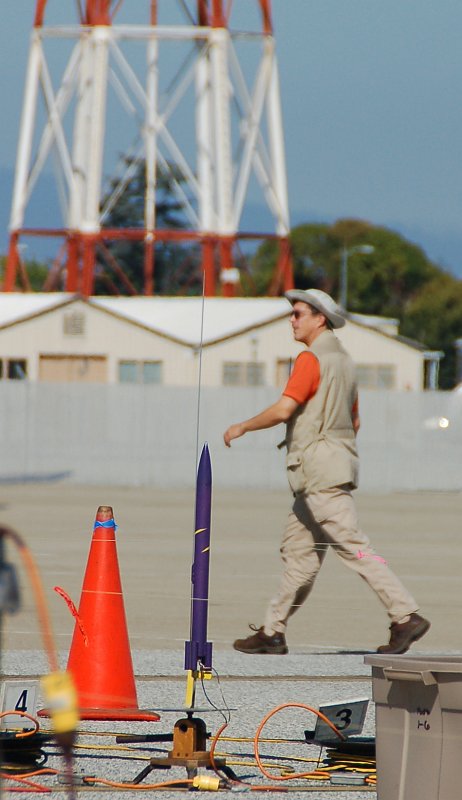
(298, 314)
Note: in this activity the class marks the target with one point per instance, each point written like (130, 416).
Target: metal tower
(195, 84)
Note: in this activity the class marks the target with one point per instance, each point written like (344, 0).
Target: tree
(395, 280)
(378, 283)
(434, 316)
(314, 253)
(175, 264)
(36, 271)
(384, 281)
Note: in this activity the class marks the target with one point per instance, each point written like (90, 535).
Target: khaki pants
(317, 520)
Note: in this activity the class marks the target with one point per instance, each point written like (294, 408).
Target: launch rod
(198, 651)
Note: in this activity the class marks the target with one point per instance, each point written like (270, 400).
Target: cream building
(57, 337)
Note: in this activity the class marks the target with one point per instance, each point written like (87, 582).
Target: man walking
(320, 408)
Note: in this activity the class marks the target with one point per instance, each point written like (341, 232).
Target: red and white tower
(195, 84)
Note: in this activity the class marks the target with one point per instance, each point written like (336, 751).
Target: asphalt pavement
(418, 533)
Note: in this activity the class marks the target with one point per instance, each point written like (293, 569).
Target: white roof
(15, 306)
(181, 317)
(388, 325)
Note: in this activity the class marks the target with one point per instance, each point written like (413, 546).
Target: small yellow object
(61, 700)
(191, 679)
(190, 688)
(208, 783)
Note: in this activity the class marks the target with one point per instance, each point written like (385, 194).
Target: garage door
(85, 369)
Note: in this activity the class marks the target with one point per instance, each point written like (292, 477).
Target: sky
(372, 111)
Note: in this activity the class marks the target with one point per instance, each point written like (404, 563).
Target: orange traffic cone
(100, 658)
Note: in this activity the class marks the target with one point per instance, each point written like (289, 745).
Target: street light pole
(344, 278)
(360, 248)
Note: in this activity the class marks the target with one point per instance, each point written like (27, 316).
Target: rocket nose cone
(204, 470)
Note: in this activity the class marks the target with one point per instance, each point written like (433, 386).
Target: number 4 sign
(22, 696)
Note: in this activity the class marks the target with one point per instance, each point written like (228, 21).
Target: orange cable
(140, 786)
(42, 610)
(316, 773)
(34, 787)
(22, 714)
(44, 619)
(41, 771)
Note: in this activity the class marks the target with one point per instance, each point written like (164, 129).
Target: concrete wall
(135, 435)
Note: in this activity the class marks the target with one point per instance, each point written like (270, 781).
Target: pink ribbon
(73, 611)
(370, 555)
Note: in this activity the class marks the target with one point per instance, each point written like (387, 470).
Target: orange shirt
(304, 380)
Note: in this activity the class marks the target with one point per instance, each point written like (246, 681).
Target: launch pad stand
(189, 750)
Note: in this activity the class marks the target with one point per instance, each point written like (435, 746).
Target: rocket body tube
(198, 650)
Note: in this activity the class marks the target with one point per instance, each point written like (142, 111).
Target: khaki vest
(321, 444)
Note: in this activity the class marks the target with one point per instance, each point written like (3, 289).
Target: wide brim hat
(320, 300)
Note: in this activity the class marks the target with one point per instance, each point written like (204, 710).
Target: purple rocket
(198, 651)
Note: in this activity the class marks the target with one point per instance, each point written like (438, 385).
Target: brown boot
(260, 642)
(402, 634)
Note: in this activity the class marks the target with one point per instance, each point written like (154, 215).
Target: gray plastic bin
(418, 726)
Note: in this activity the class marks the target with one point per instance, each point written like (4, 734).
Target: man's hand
(233, 432)
(280, 411)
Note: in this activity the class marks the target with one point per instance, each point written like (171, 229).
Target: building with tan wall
(164, 340)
